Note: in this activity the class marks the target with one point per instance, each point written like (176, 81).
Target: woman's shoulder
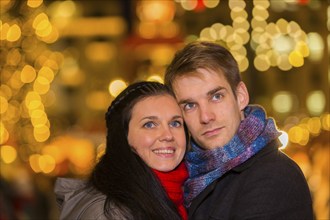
(75, 197)
(78, 200)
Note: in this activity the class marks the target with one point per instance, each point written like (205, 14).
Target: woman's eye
(149, 124)
(188, 106)
(175, 124)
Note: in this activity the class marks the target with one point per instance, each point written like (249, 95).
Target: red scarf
(173, 182)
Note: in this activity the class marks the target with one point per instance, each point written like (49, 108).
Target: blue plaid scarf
(205, 166)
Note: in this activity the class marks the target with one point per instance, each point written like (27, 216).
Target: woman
(141, 174)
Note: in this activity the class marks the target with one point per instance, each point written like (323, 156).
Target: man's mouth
(211, 132)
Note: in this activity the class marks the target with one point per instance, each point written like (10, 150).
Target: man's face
(210, 109)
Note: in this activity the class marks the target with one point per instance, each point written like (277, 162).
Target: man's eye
(188, 106)
(217, 96)
(149, 124)
(175, 124)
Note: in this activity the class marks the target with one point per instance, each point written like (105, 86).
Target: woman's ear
(242, 95)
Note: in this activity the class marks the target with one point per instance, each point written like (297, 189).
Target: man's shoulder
(270, 157)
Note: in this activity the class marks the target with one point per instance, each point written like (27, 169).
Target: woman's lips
(164, 152)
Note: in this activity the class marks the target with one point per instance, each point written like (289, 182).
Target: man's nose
(206, 115)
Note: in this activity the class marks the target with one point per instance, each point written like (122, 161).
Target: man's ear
(242, 95)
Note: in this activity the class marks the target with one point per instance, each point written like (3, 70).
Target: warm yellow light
(46, 163)
(147, 30)
(236, 5)
(98, 100)
(64, 9)
(52, 36)
(8, 154)
(155, 11)
(261, 62)
(33, 100)
(296, 59)
(55, 152)
(4, 135)
(34, 3)
(208, 34)
(315, 102)
(238, 14)
(71, 74)
(211, 3)
(161, 55)
(6, 91)
(38, 19)
(15, 81)
(100, 51)
(82, 154)
(3, 31)
(303, 49)
(41, 85)
(155, 78)
(261, 4)
(169, 30)
(282, 102)
(49, 98)
(189, 5)
(3, 104)
(38, 118)
(260, 13)
(314, 125)
(116, 87)
(28, 74)
(325, 119)
(283, 62)
(243, 64)
(47, 73)
(44, 28)
(41, 133)
(282, 25)
(283, 44)
(316, 46)
(299, 135)
(14, 33)
(34, 163)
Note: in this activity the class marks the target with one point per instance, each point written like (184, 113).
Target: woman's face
(156, 132)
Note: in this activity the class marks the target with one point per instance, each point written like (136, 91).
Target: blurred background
(63, 62)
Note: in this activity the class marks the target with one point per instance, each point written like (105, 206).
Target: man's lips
(212, 132)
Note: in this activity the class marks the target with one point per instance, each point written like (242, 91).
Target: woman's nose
(166, 134)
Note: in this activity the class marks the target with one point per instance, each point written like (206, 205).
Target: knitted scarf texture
(205, 166)
(173, 183)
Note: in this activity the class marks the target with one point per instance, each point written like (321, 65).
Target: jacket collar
(272, 146)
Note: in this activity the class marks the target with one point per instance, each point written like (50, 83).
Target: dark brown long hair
(121, 174)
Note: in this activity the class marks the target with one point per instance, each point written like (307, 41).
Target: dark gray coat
(268, 186)
(78, 201)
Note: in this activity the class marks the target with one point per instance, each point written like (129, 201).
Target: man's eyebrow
(209, 93)
(184, 101)
(215, 90)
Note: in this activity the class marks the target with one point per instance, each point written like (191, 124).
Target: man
(236, 170)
